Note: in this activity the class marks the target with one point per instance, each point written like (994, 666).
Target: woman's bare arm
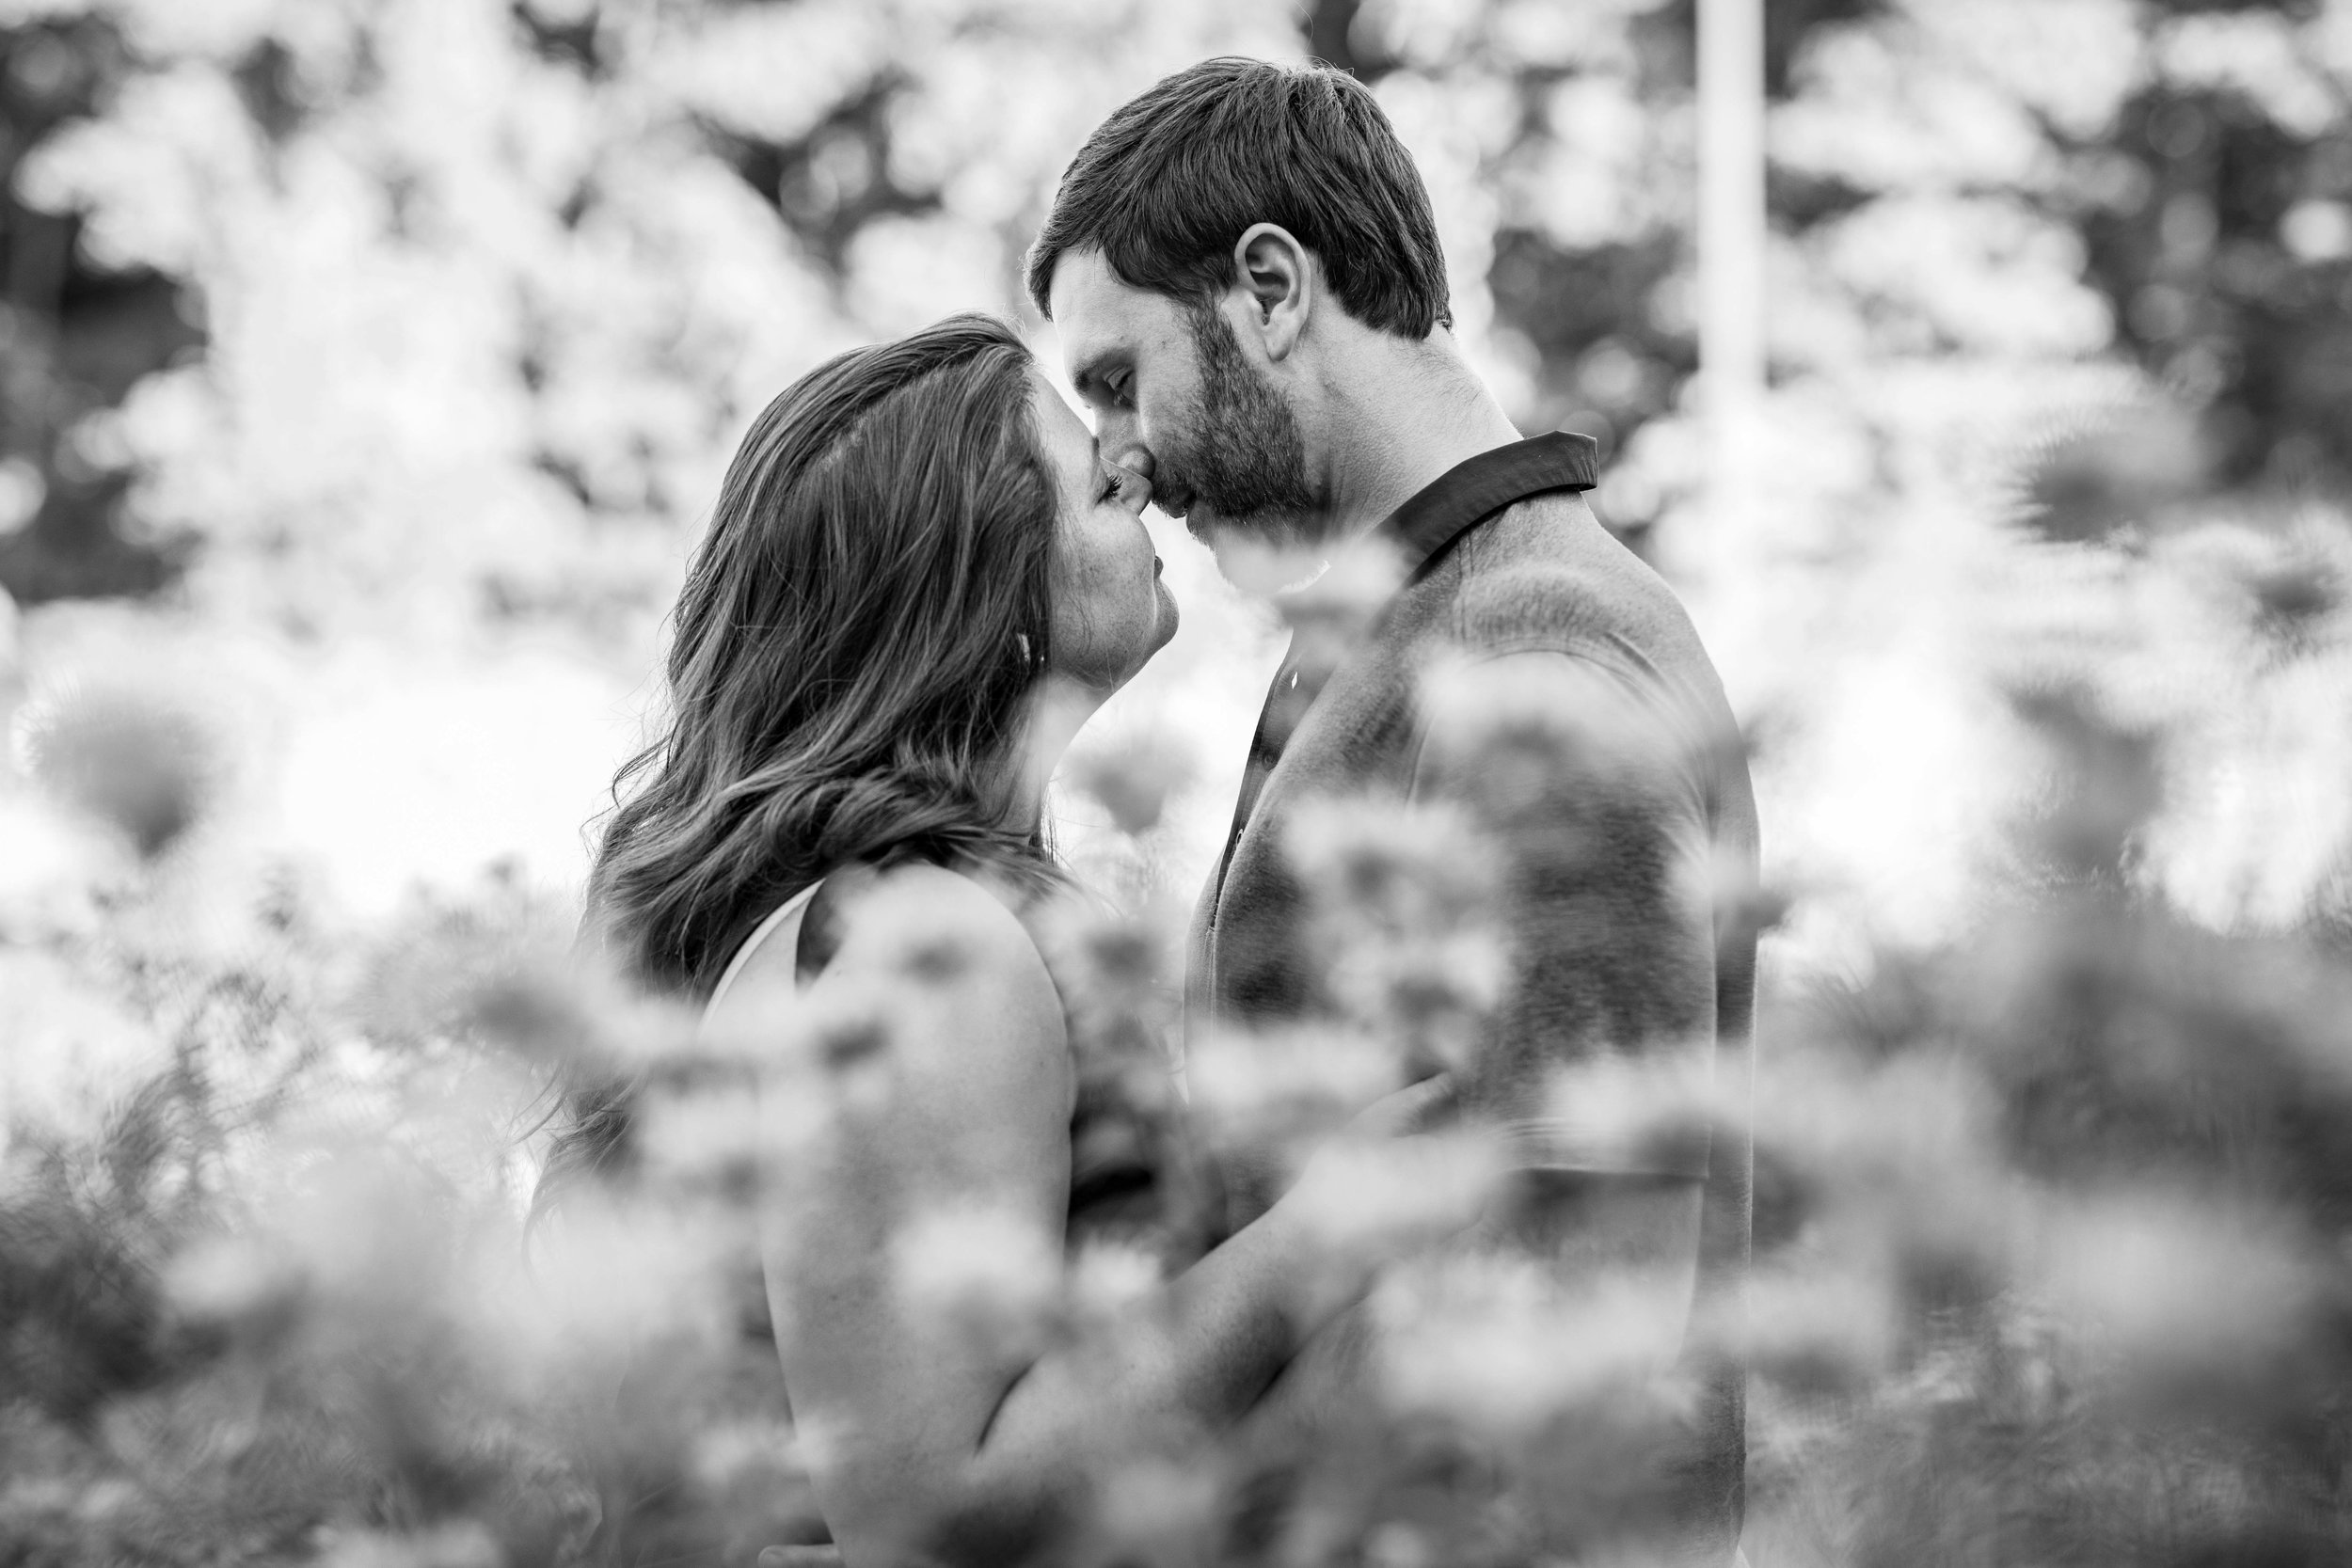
(942, 1146)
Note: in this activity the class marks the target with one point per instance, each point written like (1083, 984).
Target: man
(1244, 272)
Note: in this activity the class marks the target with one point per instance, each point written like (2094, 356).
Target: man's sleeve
(1591, 789)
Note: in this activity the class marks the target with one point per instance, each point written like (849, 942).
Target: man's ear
(1277, 276)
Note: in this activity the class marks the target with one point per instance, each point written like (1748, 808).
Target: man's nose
(1119, 443)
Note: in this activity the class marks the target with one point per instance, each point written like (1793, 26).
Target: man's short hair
(1166, 185)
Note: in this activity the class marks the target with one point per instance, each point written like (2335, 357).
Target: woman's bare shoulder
(918, 934)
(936, 922)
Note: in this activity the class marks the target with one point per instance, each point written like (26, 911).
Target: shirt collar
(1476, 489)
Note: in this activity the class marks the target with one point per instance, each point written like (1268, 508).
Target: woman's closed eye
(1123, 485)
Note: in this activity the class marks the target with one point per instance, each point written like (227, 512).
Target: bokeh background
(380, 360)
(371, 365)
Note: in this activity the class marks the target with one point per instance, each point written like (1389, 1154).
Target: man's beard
(1246, 462)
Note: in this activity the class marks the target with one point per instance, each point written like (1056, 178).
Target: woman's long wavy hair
(853, 651)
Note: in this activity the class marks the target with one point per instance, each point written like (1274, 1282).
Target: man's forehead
(1083, 285)
(1098, 312)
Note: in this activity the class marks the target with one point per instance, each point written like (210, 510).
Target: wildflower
(1504, 1345)
(1406, 921)
(1370, 1197)
(147, 765)
(1108, 1277)
(1134, 779)
(985, 1273)
(1159, 1510)
(457, 1544)
(2190, 1296)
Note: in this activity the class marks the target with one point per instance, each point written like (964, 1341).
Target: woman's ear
(1275, 273)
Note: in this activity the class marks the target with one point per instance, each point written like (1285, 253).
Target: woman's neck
(1058, 710)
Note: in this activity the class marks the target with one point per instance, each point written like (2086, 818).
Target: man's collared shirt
(1412, 537)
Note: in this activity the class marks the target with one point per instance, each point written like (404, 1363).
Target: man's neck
(1406, 412)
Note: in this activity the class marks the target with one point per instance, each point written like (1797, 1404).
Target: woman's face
(1111, 610)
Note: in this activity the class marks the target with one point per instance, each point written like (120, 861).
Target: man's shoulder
(1544, 574)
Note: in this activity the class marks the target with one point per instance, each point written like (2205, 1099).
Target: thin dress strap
(785, 917)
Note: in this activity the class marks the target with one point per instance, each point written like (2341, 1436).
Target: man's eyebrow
(1089, 370)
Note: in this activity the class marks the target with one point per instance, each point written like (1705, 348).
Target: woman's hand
(1422, 1107)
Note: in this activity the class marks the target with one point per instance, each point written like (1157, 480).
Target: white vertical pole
(1731, 232)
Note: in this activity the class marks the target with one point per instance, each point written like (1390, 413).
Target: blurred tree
(74, 336)
(2210, 195)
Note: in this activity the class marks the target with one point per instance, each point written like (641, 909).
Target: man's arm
(1589, 784)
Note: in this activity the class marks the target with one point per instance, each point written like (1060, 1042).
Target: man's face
(1176, 396)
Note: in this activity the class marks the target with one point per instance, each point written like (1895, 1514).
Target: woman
(919, 580)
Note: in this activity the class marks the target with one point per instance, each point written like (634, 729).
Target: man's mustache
(1178, 499)
(1172, 495)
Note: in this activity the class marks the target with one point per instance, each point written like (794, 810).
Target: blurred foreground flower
(1506, 1346)
(147, 765)
(2051, 1225)
(1377, 1198)
(1515, 738)
(462, 1544)
(2178, 1303)
(1288, 1085)
(982, 1273)
(1406, 917)
(1133, 778)
(1657, 1112)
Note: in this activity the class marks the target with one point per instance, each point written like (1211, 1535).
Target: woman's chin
(1170, 617)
